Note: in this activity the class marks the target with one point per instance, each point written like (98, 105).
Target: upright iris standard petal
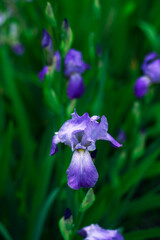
(141, 86)
(83, 131)
(153, 70)
(81, 171)
(73, 63)
(75, 86)
(71, 129)
(42, 73)
(95, 232)
(47, 40)
(148, 59)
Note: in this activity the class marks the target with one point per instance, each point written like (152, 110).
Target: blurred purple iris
(74, 66)
(81, 133)
(18, 49)
(52, 59)
(47, 40)
(141, 86)
(151, 70)
(95, 232)
(43, 72)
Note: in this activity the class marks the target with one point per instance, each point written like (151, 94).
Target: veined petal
(81, 171)
(71, 127)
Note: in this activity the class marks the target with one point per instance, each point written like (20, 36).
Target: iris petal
(95, 232)
(153, 70)
(141, 86)
(54, 147)
(81, 171)
(75, 86)
(98, 131)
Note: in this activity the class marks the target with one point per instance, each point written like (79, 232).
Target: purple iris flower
(95, 232)
(81, 133)
(74, 66)
(18, 49)
(57, 59)
(148, 59)
(42, 73)
(75, 86)
(73, 63)
(152, 70)
(141, 86)
(47, 40)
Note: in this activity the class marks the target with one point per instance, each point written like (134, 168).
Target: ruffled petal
(141, 86)
(98, 131)
(95, 232)
(81, 171)
(75, 86)
(71, 127)
(54, 147)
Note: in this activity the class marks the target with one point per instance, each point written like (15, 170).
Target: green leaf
(51, 100)
(66, 227)
(143, 234)
(150, 33)
(4, 232)
(87, 201)
(43, 213)
(5, 158)
(50, 15)
(66, 37)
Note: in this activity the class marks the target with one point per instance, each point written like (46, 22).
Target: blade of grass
(4, 232)
(43, 214)
(5, 158)
(143, 234)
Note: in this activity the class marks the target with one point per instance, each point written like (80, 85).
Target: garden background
(113, 37)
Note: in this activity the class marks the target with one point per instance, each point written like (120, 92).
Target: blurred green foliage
(33, 186)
